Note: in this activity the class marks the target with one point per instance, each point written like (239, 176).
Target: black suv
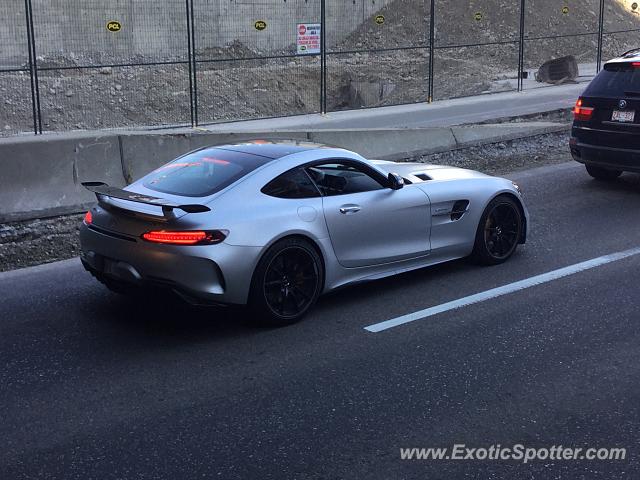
(606, 126)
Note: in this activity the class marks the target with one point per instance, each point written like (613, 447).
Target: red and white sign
(308, 40)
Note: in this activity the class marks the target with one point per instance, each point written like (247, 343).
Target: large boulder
(367, 93)
(558, 70)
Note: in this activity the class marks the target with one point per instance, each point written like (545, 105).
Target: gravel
(505, 157)
(33, 242)
(23, 244)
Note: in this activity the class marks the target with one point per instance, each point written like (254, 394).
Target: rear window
(616, 80)
(203, 172)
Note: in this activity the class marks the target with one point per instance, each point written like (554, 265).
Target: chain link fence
(17, 76)
(91, 64)
(246, 61)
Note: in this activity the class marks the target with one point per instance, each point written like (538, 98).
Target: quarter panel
(257, 219)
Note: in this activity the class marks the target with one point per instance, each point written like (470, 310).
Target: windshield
(616, 80)
(202, 173)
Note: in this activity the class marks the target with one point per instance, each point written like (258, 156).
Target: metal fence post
(194, 64)
(33, 69)
(600, 35)
(521, 47)
(323, 58)
(432, 34)
(190, 59)
(31, 75)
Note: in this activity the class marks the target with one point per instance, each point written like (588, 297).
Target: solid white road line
(504, 290)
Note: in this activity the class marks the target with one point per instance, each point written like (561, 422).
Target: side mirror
(396, 182)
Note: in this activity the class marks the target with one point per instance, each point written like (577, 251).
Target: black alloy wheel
(499, 231)
(287, 282)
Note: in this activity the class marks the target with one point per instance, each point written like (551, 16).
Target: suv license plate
(623, 116)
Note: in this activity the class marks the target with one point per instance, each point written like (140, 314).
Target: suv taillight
(582, 113)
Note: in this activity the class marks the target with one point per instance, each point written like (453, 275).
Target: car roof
(629, 56)
(272, 149)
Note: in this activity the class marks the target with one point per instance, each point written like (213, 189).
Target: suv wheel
(601, 173)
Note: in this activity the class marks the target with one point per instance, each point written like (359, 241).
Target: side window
(292, 184)
(342, 178)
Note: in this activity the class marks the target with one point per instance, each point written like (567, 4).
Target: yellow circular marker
(477, 16)
(379, 19)
(260, 25)
(114, 26)
(565, 10)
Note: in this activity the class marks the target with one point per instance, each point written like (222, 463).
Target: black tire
(601, 173)
(499, 231)
(286, 283)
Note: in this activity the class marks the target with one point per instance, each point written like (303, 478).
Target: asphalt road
(94, 386)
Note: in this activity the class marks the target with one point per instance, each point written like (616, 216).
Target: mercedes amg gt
(273, 225)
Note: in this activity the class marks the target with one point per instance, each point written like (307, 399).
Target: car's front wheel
(499, 231)
(601, 173)
(286, 283)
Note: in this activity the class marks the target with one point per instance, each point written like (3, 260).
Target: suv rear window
(203, 172)
(615, 80)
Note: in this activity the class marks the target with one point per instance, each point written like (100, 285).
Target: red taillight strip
(197, 237)
(88, 218)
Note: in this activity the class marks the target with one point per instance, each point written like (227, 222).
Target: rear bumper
(625, 159)
(218, 274)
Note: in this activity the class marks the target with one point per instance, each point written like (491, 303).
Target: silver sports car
(275, 224)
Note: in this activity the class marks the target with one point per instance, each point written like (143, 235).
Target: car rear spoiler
(103, 190)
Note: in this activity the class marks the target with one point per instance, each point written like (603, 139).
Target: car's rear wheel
(601, 173)
(499, 231)
(286, 283)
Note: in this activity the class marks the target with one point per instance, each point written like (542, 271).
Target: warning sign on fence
(114, 26)
(308, 39)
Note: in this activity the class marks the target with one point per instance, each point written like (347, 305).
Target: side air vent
(422, 176)
(459, 209)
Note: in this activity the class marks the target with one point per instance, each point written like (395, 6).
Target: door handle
(349, 209)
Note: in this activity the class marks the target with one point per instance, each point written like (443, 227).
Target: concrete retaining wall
(41, 176)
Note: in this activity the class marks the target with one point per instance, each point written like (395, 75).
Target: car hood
(423, 171)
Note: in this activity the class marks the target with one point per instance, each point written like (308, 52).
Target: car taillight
(635, 64)
(582, 113)
(196, 237)
(88, 218)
